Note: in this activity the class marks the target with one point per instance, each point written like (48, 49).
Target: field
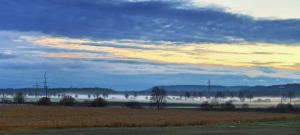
(253, 128)
(35, 117)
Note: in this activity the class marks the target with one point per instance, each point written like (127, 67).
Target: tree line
(157, 97)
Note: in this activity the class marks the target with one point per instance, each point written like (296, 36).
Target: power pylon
(45, 84)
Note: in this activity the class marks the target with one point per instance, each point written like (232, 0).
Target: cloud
(235, 55)
(143, 20)
(138, 44)
(7, 56)
(277, 9)
(41, 64)
(38, 52)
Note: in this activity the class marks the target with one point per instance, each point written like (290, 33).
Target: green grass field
(291, 127)
(287, 123)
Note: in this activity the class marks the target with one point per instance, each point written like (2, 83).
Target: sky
(137, 44)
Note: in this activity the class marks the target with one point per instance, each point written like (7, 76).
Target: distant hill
(284, 87)
(180, 89)
(203, 88)
(32, 91)
(273, 90)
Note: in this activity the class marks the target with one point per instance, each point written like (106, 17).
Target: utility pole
(208, 88)
(282, 95)
(3, 94)
(45, 84)
(36, 88)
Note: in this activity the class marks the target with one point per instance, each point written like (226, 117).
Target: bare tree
(200, 95)
(3, 94)
(291, 95)
(187, 95)
(158, 96)
(180, 96)
(250, 96)
(283, 97)
(105, 95)
(219, 94)
(126, 95)
(36, 89)
(135, 94)
(231, 94)
(223, 96)
(242, 96)
(97, 95)
(195, 95)
(19, 98)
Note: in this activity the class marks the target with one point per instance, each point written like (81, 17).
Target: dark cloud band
(147, 20)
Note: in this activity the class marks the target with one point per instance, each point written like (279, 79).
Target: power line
(36, 85)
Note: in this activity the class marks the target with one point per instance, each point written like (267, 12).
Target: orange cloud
(237, 55)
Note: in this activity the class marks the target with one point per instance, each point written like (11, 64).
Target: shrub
(6, 101)
(245, 106)
(271, 109)
(296, 106)
(19, 98)
(98, 102)
(228, 106)
(67, 101)
(285, 107)
(206, 106)
(44, 101)
(133, 104)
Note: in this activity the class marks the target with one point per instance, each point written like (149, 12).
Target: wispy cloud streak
(247, 55)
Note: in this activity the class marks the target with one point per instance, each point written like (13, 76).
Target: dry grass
(31, 117)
